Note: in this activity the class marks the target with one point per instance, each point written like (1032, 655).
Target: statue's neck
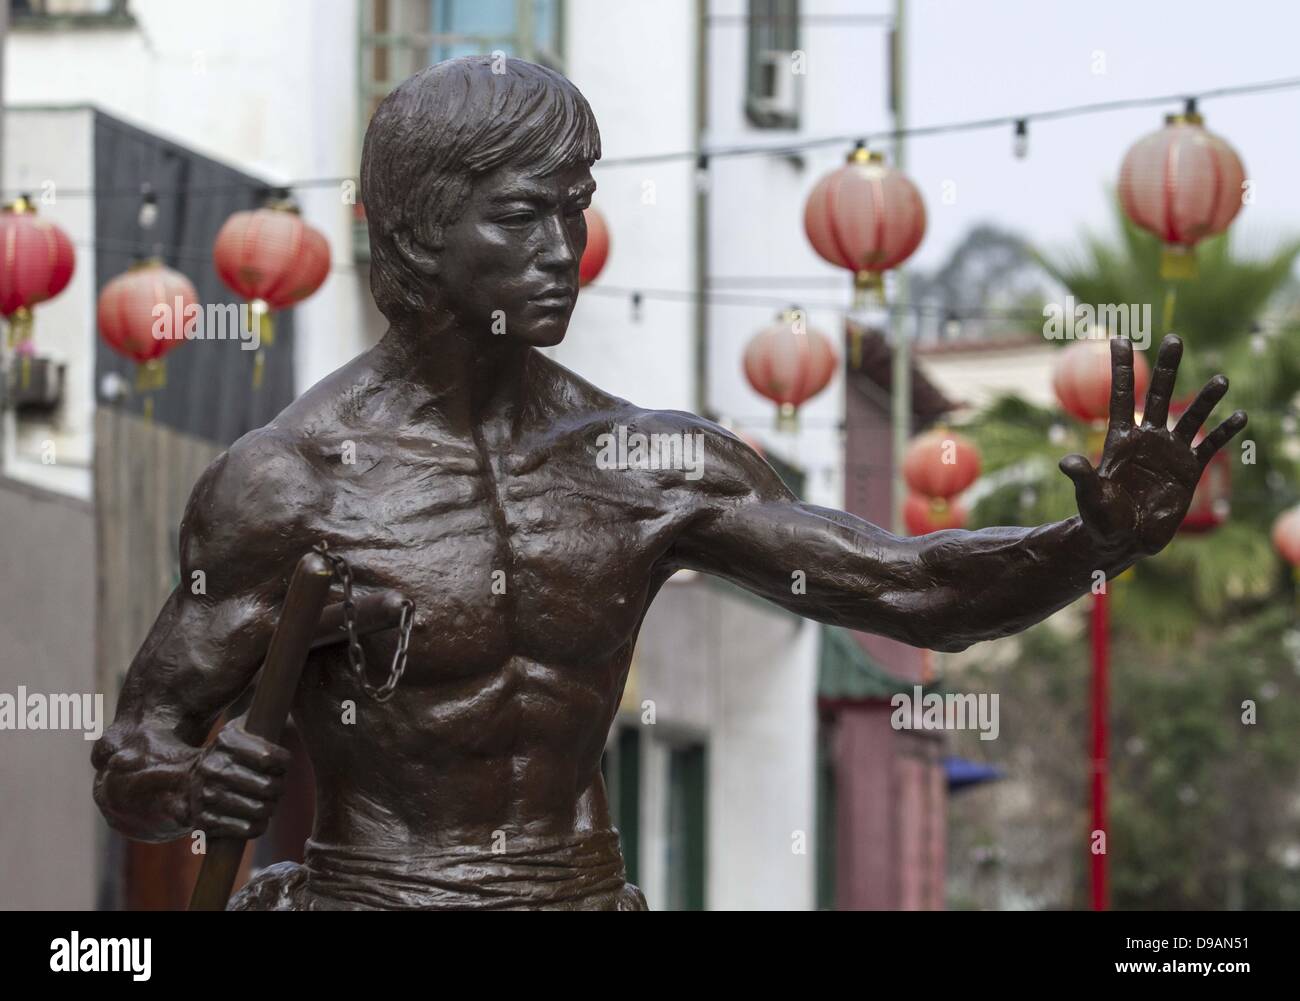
(470, 381)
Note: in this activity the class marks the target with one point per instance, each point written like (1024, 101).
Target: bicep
(825, 564)
(208, 640)
(197, 659)
(804, 557)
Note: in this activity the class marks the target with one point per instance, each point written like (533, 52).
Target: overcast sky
(977, 58)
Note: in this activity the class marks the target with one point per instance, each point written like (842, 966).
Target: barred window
(72, 13)
(771, 91)
(401, 37)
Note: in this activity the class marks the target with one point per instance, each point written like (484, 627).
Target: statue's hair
(439, 130)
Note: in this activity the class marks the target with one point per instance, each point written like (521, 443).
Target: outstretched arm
(953, 588)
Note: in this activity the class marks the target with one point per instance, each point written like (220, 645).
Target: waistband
(529, 872)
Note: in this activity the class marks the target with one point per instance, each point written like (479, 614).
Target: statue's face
(509, 265)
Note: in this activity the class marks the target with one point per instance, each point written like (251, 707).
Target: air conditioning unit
(774, 95)
(34, 386)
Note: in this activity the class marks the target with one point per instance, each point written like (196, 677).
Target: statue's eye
(517, 218)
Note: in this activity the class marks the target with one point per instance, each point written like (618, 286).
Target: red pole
(1100, 735)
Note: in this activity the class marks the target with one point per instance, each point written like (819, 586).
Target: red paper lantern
(866, 217)
(36, 264)
(1212, 499)
(1082, 380)
(1286, 535)
(271, 258)
(1182, 183)
(940, 464)
(133, 325)
(789, 364)
(921, 516)
(597, 252)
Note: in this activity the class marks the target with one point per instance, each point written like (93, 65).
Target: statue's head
(474, 176)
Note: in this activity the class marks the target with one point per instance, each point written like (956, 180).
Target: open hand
(1134, 501)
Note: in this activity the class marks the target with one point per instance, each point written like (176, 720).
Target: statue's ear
(421, 259)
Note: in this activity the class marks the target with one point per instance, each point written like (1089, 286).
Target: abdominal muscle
(507, 756)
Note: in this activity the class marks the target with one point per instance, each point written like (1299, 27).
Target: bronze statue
(476, 492)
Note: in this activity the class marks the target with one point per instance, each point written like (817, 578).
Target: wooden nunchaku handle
(305, 624)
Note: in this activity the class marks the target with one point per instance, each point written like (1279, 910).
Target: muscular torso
(530, 570)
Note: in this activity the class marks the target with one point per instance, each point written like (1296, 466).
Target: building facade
(713, 765)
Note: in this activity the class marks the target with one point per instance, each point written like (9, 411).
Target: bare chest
(550, 560)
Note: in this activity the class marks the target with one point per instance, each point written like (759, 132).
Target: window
(772, 88)
(687, 831)
(468, 27)
(68, 13)
(401, 37)
(621, 767)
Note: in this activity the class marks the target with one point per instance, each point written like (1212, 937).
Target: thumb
(1087, 484)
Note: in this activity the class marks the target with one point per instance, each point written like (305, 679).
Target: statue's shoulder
(263, 500)
(276, 459)
(724, 464)
(674, 448)
(254, 500)
(297, 450)
(590, 407)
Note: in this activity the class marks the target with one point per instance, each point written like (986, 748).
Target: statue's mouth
(558, 297)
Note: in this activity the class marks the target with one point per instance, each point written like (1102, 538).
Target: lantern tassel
(1167, 313)
(868, 287)
(150, 376)
(260, 320)
(1177, 263)
(20, 326)
(787, 418)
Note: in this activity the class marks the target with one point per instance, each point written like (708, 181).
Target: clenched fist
(235, 783)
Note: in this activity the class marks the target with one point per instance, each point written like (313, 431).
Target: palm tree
(1206, 648)
(1237, 317)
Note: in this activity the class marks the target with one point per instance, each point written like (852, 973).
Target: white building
(719, 791)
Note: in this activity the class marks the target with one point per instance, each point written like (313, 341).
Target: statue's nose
(558, 251)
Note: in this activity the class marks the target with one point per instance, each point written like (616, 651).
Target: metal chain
(357, 656)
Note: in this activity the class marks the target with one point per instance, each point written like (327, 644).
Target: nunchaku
(305, 624)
